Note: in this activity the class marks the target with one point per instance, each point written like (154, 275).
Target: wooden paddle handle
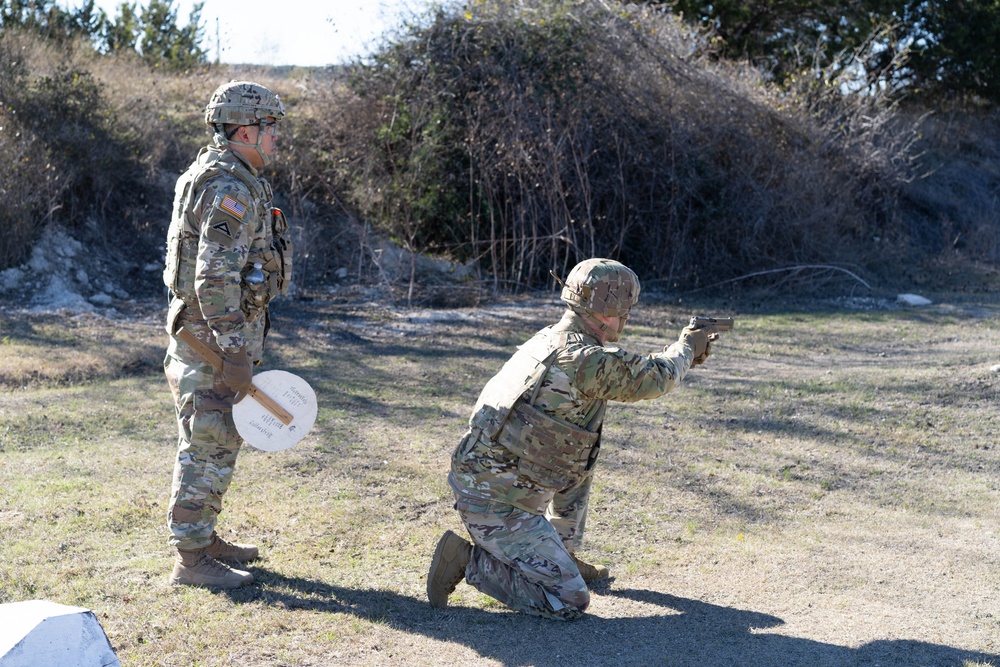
(211, 357)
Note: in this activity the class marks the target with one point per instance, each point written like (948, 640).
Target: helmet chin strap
(608, 335)
(616, 336)
(264, 157)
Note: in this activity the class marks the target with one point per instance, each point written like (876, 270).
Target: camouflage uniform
(223, 225)
(522, 473)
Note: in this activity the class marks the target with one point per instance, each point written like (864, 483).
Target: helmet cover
(242, 103)
(601, 286)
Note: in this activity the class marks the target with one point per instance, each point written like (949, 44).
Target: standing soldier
(227, 257)
(522, 473)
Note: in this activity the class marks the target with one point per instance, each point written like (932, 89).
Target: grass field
(825, 490)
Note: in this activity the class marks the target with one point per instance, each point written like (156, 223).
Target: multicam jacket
(536, 427)
(222, 225)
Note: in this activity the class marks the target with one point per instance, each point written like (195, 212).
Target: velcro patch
(230, 205)
(223, 227)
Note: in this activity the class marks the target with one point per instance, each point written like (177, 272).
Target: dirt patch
(822, 492)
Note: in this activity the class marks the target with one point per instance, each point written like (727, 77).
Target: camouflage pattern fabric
(534, 522)
(242, 103)
(208, 445)
(222, 224)
(568, 512)
(601, 286)
(581, 379)
(519, 559)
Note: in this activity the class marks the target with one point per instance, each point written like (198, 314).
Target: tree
(923, 48)
(153, 30)
(958, 54)
(46, 18)
(121, 34)
(164, 43)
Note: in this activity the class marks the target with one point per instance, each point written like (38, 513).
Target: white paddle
(278, 410)
(258, 424)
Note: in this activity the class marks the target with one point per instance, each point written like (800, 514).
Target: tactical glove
(236, 371)
(699, 340)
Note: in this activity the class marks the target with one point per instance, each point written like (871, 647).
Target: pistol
(720, 323)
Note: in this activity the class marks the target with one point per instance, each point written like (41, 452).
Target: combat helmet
(601, 286)
(243, 103)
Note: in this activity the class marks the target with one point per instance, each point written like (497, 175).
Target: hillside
(556, 140)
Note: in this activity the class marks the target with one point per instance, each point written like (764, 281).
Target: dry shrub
(511, 138)
(80, 164)
(524, 138)
(163, 112)
(325, 235)
(98, 143)
(320, 142)
(168, 109)
(30, 186)
(954, 205)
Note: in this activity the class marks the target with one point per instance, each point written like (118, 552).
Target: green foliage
(48, 19)
(164, 43)
(792, 36)
(959, 56)
(122, 34)
(930, 49)
(153, 29)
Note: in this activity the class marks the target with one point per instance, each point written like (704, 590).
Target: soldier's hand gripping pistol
(701, 332)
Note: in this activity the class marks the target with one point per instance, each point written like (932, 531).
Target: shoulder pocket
(223, 222)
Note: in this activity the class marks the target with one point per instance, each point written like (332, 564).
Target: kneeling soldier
(522, 473)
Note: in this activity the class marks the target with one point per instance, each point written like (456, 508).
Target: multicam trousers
(524, 560)
(207, 447)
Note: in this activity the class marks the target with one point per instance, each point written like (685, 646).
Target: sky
(289, 32)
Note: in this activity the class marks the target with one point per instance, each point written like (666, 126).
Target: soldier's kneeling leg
(520, 560)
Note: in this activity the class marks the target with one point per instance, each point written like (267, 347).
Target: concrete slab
(39, 633)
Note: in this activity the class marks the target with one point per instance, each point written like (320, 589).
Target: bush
(524, 139)
(515, 140)
(952, 210)
(30, 187)
(77, 162)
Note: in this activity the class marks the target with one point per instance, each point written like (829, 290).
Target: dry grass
(823, 492)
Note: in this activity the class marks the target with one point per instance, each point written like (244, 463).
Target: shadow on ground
(684, 632)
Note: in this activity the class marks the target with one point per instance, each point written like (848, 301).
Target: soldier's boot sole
(447, 568)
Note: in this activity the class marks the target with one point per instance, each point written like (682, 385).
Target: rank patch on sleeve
(223, 227)
(232, 206)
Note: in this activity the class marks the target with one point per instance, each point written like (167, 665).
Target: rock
(913, 300)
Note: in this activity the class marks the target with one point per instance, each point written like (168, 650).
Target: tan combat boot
(447, 568)
(590, 573)
(198, 568)
(223, 550)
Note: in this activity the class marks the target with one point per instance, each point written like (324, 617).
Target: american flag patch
(233, 206)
